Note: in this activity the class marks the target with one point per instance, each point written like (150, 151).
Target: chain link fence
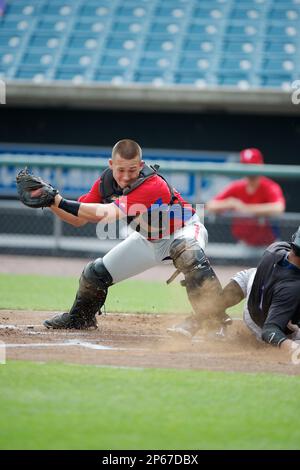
(39, 232)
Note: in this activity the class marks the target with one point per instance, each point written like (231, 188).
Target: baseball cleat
(188, 328)
(66, 321)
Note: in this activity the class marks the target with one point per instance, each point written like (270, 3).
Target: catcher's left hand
(33, 191)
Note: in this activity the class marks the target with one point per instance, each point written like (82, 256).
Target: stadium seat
(275, 80)
(171, 26)
(209, 42)
(134, 26)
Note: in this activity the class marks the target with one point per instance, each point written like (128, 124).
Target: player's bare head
(127, 149)
(126, 162)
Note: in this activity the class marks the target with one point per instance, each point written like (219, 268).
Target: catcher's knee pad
(203, 287)
(96, 273)
(189, 258)
(94, 282)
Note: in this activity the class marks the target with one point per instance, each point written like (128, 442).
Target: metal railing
(231, 169)
(25, 230)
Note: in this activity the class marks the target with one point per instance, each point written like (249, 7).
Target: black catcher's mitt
(33, 191)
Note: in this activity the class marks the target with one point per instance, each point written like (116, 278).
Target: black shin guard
(202, 284)
(92, 292)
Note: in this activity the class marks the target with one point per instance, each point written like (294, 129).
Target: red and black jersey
(152, 203)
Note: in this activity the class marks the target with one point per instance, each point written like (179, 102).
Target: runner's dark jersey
(275, 293)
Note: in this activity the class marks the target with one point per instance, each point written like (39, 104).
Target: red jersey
(150, 198)
(255, 231)
(93, 195)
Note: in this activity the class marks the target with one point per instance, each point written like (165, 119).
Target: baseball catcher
(165, 229)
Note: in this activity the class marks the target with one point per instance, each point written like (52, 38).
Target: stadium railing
(25, 230)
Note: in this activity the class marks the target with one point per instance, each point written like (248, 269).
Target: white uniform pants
(136, 254)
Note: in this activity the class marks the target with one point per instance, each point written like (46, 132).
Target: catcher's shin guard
(91, 295)
(203, 287)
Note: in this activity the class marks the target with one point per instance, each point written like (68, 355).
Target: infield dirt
(138, 341)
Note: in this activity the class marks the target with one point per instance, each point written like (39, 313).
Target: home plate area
(137, 340)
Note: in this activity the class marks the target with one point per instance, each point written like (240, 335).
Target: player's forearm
(217, 206)
(89, 212)
(267, 209)
(69, 218)
(96, 212)
(232, 294)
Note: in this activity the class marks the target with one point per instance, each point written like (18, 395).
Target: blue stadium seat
(281, 47)
(194, 42)
(83, 41)
(240, 47)
(204, 28)
(247, 13)
(89, 25)
(42, 59)
(121, 42)
(134, 26)
(113, 75)
(171, 27)
(98, 9)
(236, 64)
(283, 30)
(240, 80)
(83, 59)
(77, 74)
(196, 63)
(178, 11)
(210, 11)
(23, 8)
(58, 9)
(116, 61)
(281, 13)
(189, 78)
(155, 77)
(166, 44)
(204, 44)
(10, 40)
(275, 80)
(6, 63)
(280, 66)
(47, 24)
(135, 11)
(242, 30)
(32, 73)
(46, 40)
(158, 62)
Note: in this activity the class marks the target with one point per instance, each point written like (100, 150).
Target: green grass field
(55, 406)
(57, 293)
(62, 406)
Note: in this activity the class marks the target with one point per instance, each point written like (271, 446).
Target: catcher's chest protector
(110, 191)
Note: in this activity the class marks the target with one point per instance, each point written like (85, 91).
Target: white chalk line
(27, 329)
(72, 343)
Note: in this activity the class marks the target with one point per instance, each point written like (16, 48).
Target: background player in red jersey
(255, 196)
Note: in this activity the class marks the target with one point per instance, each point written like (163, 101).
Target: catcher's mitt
(33, 191)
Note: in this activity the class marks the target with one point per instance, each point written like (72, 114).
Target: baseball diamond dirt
(130, 340)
